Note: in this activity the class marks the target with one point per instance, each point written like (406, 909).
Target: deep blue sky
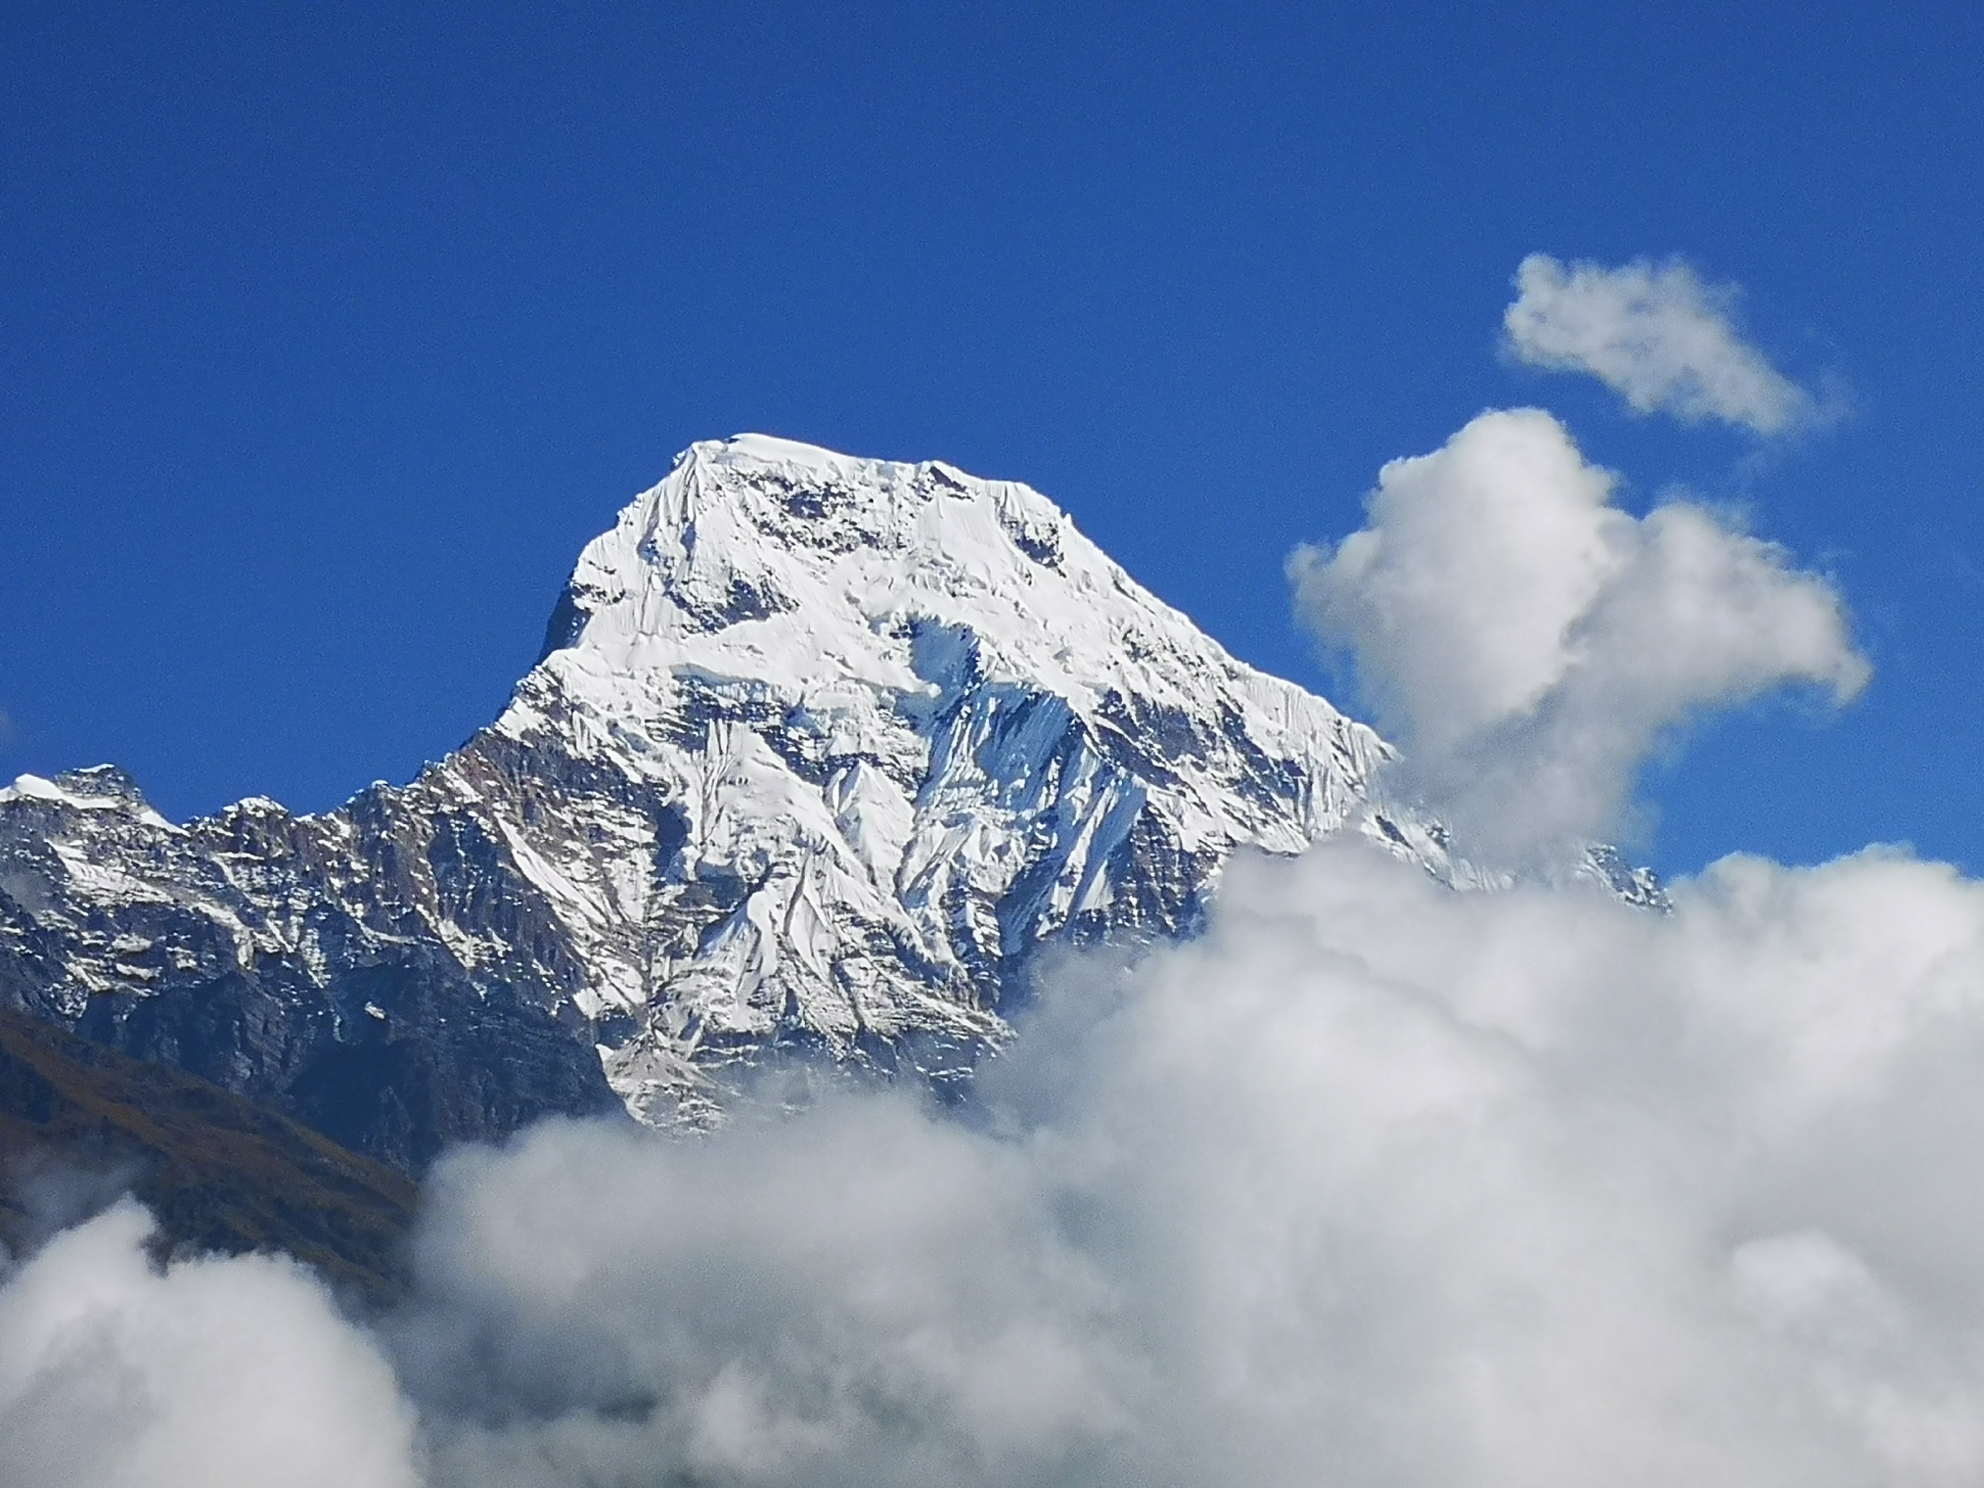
(328, 334)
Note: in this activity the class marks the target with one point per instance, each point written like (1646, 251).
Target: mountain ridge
(820, 751)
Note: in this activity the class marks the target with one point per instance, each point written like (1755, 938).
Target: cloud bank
(1375, 1184)
(1656, 335)
(1528, 642)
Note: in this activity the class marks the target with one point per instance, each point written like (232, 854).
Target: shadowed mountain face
(820, 753)
(80, 1124)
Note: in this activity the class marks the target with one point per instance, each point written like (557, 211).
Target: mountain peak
(771, 449)
(819, 753)
(806, 570)
(912, 709)
(737, 525)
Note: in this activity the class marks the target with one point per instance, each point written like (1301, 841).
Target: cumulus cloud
(207, 1374)
(1656, 335)
(1529, 643)
(866, 1295)
(1376, 1183)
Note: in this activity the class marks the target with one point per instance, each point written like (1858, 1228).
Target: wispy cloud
(1657, 336)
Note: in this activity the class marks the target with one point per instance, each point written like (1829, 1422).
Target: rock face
(820, 752)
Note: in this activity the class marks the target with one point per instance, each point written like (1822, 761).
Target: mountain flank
(80, 1124)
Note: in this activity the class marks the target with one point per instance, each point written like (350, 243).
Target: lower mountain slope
(81, 1122)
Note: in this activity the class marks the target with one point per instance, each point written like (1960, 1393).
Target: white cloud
(1529, 643)
(210, 1374)
(1656, 335)
(864, 1295)
(1376, 1183)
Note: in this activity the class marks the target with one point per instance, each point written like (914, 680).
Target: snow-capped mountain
(819, 753)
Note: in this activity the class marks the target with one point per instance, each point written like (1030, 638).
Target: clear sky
(328, 335)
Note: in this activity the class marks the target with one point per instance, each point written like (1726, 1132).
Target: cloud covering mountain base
(1375, 1183)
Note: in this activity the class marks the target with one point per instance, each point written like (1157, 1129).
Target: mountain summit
(820, 752)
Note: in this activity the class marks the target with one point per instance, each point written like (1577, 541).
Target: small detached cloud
(1657, 336)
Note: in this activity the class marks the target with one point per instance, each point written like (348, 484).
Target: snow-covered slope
(907, 725)
(820, 752)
